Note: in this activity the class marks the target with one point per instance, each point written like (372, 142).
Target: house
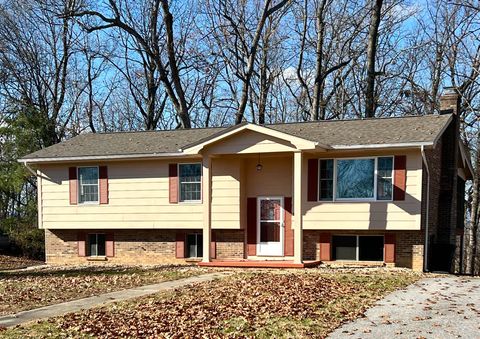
(387, 190)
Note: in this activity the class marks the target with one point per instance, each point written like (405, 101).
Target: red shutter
(173, 183)
(325, 246)
(312, 189)
(103, 184)
(109, 245)
(288, 250)
(81, 244)
(389, 248)
(252, 226)
(213, 245)
(180, 245)
(72, 178)
(400, 177)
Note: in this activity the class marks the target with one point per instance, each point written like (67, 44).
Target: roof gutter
(102, 157)
(373, 146)
(427, 209)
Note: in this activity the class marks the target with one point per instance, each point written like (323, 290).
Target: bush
(27, 240)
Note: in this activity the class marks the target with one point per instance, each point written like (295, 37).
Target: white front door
(270, 226)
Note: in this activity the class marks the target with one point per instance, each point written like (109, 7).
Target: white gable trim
(299, 143)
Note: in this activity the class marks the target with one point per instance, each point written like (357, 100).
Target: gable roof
(300, 142)
(336, 134)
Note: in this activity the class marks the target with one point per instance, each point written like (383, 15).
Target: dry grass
(262, 304)
(8, 262)
(24, 290)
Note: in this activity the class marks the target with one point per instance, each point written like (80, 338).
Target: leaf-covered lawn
(31, 289)
(8, 262)
(262, 304)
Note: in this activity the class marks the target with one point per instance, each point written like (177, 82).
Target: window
(325, 187)
(195, 245)
(355, 178)
(96, 245)
(384, 178)
(88, 184)
(190, 176)
(358, 248)
(370, 248)
(344, 247)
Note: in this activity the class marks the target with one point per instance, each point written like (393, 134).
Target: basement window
(96, 245)
(194, 245)
(358, 247)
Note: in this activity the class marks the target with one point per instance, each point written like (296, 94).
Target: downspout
(34, 173)
(427, 209)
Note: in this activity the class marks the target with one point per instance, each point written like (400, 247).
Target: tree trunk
(317, 112)
(371, 58)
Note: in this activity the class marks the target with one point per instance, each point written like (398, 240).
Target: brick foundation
(148, 247)
(152, 247)
(230, 244)
(408, 246)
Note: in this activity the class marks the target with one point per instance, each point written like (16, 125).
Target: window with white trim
(190, 182)
(347, 179)
(88, 184)
(358, 247)
(384, 178)
(325, 182)
(96, 245)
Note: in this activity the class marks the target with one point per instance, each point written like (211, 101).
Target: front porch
(252, 181)
(254, 194)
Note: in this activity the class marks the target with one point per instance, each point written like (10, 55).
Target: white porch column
(297, 208)
(206, 198)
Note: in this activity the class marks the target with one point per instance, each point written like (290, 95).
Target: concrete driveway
(442, 307)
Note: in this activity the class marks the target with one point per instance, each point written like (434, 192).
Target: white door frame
(271, 248)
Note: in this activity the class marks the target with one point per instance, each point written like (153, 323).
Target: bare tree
(239, 38)
(371, 58)
(159, 18)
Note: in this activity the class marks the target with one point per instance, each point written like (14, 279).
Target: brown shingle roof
(385, 131)
(124, 143)
(343, 133)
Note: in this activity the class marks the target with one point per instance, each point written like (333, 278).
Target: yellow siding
(138, 195)
(138, 198)
(248, 142)
(377, 215)
(226, 174)
(275, 178)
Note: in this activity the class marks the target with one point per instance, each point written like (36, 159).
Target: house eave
(143, 156)
(383, 146)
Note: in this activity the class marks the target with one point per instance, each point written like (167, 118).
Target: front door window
(270, 226)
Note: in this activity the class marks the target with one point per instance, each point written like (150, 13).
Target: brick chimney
(450, 101)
